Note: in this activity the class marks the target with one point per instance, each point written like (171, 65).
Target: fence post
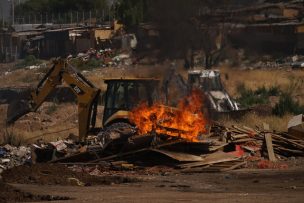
(16, 52)
(6, 54)
(71, 16)
(77, 17)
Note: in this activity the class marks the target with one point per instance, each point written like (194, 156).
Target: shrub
(11, 138)
(51, 109)
(250, 98)
(88, 65)
(287, 105)
(29, 60)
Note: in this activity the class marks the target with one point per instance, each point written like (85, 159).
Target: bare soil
(56, 174)
(237, 186)
(9, 193)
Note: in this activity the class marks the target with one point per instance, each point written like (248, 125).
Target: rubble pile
(122, 147)
(11, 156)
(105, 57)
(223, 149)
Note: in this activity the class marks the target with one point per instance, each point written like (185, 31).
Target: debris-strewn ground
(9, 193)
(56, 174)
(247, 186)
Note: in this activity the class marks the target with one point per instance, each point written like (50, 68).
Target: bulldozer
(217, 101)
(120, 97)
(210, 83)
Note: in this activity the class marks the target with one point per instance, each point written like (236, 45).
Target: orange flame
(186, 121)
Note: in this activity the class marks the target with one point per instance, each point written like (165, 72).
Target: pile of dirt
(11, 194)
(56, 174)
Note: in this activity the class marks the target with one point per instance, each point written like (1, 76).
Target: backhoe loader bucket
(17, 109)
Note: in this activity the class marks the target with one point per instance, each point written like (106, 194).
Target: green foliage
(250, 98)
(59, 6)
(287, 105)
(131, 12)
(86, 65)
(28, 61)
(51, 109)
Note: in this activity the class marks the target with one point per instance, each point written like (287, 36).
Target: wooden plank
(242, 130)
(268, 140)
(179, 156)
(215, 148)
(266, 126)
(296, 144)
(253, 131)
(243, 140)
(214, 158)
(282, 149)
(240, 136)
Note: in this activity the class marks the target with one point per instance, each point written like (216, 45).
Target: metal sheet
(179, 156)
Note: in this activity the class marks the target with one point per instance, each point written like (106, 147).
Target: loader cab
(122, 95)
(207, 80)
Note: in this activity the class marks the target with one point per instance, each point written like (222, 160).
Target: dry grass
(21, 78)
(253, 120)
(253, 79)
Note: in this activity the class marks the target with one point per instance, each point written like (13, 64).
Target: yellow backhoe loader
(121, 96)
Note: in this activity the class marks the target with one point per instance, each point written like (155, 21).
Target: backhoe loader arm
(87, 95)
(48, 84)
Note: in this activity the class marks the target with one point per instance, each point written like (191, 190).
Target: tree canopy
(57, 6)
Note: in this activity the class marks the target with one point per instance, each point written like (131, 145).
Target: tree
(186, 26)
(131, 12)
(59, 6)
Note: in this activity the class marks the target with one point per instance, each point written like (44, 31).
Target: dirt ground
(56, 174)
(237, 186)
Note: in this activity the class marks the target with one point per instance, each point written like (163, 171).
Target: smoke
(177, 31)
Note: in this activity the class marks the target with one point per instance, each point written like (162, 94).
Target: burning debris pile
(180, 138)
(169, 144)
(222, 149)
(186, 122)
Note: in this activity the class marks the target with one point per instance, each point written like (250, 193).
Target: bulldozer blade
(17, 109)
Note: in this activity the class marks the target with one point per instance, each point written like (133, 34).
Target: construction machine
(218, 101)
(120, 97)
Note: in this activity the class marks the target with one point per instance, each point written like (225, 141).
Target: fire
(186, 121)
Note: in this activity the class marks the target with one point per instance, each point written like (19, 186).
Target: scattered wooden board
(216, 157)
(268, 140)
